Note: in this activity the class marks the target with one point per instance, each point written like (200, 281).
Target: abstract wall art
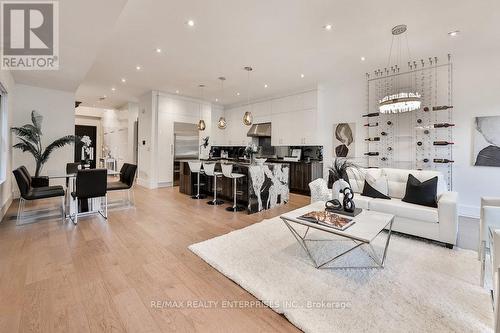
(344, 135)
(486, 145)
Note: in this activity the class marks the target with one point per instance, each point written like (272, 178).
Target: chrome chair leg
(20, 211)
(106, 206)
(63, 207)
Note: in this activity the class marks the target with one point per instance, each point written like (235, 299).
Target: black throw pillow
(421, 193)
(369, 191)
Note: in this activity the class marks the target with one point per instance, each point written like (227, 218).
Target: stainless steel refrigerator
(186, 145)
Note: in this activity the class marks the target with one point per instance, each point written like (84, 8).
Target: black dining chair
(34, 182)
(90, 184)
(30, 193)
(127, 176)
(71, 168)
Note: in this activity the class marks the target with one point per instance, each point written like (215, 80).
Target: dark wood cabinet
(302, 173)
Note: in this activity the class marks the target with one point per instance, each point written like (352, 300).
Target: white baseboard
(165, 184)
(145, 183)
(5, 207)
(469, 211)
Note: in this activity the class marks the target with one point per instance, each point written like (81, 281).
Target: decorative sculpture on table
(348, 201)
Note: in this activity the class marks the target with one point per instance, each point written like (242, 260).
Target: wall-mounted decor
(409, 115)
(344, 135)
(487, 141)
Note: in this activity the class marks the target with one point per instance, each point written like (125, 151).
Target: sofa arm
(448, 217)
(490, 201)
(319, 190)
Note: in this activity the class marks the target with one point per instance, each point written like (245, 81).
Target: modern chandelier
(404, 99)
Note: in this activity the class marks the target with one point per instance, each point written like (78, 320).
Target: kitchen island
(264, 185)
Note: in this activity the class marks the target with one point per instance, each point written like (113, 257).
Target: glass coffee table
(368, 225)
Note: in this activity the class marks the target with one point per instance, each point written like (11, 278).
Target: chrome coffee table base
(365, 246)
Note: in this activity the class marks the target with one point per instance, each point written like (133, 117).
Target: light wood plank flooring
(102, 276)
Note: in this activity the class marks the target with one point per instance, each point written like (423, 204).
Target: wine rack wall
(420, 139)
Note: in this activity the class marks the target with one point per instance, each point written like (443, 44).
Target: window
(4, 134)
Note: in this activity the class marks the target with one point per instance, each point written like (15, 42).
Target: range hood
(260, 130)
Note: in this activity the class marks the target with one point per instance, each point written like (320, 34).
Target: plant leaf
(27, 132)
(61, 142)
(27, 146)
(37, 120)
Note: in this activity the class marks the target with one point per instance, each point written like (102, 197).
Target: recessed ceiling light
(124, 80)
(105, 96)
(302, 76)
(113, 89)
(454, 33)
(158, 50)
(363, 58)
(327, 27)
(138, 68)
(177, 91)
(190, 23)
(237, 94)
(216, 99)
(265, 86)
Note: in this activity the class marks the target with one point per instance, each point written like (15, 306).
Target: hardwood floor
(103, 276)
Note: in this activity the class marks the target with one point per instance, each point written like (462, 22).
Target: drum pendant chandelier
(403, 99)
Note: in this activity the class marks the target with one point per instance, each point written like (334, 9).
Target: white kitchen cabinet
(294, 128)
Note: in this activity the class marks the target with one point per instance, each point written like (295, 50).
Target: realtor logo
(30, 35)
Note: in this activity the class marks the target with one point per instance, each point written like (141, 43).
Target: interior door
(91, 132)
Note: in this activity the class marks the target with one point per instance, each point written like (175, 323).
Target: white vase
(337, 188)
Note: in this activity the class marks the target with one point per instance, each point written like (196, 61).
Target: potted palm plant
(30, 137)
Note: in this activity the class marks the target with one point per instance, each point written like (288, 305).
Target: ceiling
(280, 39)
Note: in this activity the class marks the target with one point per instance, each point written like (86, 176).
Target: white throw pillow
(380, 183)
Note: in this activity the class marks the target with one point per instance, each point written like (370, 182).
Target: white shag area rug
(423, 287)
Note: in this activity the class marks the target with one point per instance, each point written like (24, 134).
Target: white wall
(58, 111)
(6, 186)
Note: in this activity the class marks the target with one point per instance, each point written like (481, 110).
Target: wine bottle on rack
(373, 139)
(371, 125)
(443, 160)
(373, 114)
(389, 123)
(383, 133)
(389, 148)
(372, 153)
(426, 132)
(442, 143)
(443, 125)
(438, 108)
(384, 158)
(426, 160)
(419, 121)
(419, 143)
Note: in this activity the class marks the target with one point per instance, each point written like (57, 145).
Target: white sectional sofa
(439, 224)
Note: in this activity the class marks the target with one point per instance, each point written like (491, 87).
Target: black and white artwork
(487, 141)
(343, 139)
